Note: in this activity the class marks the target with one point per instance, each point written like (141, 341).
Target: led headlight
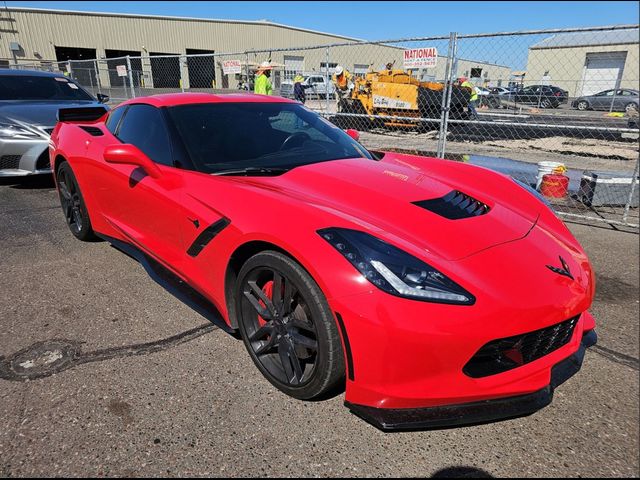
(12, 131)
(393, 270)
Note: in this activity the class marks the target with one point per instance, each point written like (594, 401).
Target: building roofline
(165, 17)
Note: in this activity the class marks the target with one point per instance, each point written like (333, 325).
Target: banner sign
(122, 70)
(231, 67)
(420, 58)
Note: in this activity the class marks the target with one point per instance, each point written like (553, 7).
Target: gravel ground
(193, 404)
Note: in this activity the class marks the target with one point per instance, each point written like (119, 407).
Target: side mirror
(102, 98)
(353, 134)
(131, 155)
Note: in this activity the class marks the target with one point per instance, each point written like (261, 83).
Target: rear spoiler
(81, 114)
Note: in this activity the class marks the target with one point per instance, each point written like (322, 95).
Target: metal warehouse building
(585, 63)
(38, 37)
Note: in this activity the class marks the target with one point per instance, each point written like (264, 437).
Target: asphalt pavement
(147, 387)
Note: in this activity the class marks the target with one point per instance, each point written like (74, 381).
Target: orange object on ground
(554, 186)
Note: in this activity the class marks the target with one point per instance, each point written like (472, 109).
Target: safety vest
(263, 85)
(474, 90)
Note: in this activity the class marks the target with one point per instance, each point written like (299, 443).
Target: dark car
(542, 96)
(616, 100)
(29, 102)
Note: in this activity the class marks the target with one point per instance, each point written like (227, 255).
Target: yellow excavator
(397, 93)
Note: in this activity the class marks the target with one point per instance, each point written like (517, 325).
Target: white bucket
(545, 168)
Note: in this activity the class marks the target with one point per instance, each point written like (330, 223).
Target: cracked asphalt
(151, 389)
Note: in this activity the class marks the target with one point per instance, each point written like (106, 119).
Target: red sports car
(442, 293)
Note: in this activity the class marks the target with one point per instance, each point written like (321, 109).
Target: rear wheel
(287, 326)
(630, 107)
(582, 105)
(546, 103)
(73, 206)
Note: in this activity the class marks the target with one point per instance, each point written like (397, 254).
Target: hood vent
(454, 206)
(93, 131)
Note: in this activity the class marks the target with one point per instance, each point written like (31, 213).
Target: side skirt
(172, 283)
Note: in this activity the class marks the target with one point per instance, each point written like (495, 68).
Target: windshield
(25, 87)
(278, 136)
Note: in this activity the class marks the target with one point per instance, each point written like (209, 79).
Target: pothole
(40, 360)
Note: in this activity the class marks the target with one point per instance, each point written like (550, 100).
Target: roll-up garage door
(602, 71)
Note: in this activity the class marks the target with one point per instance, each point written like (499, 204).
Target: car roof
(28, 73)
(188, 98)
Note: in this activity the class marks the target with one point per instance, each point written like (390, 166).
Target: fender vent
(454, 206)
(93, 131)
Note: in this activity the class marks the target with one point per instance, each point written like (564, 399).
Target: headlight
(393, 270)
(12, 131)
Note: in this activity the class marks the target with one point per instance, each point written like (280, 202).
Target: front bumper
(476, 412)
(24, 157)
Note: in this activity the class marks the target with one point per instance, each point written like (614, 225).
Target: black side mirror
(102, 98)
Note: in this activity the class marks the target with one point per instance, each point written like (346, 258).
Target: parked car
(406, 278)
(29, 102)
(318, 87)
(543, 96)
(487, 98)
(617, 100)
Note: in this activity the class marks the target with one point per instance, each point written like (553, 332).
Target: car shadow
(462, 472)
(30, 182)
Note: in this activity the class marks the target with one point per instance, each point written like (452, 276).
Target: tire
(630, 106)
(546, 103)
(292, 338)
(72, 203)
(583, 105)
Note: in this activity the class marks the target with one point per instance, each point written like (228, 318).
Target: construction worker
(263, 83)
(473, 100)
(342, 81)
(299, 88)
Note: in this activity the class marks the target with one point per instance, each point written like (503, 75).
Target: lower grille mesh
(508, 353)
(10, 161)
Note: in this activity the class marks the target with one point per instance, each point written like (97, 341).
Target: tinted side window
(114, 118)
(143, 126)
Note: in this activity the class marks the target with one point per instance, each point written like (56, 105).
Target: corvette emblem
(561, 271)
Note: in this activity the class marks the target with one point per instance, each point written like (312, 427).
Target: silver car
(29, 103)
(618, 100)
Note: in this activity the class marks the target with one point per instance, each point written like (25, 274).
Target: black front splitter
(476, 412)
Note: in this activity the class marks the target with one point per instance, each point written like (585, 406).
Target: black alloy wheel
(73, 206)
(287, 326)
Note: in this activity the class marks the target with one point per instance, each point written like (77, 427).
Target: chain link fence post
(632, 189)
(327, 80)
(182, 60)
(130, 74)
(446, 96)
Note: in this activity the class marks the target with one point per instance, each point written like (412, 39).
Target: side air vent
(454, 206)
(93, 131)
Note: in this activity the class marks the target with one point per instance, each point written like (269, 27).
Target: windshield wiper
(253, 171)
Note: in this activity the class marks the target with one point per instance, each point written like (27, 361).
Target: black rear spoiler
(81, 114)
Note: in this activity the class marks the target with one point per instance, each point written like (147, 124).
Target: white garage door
(293, 65)
(602, 71)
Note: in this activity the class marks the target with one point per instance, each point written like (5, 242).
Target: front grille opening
(43, 162)
(454, 206)
(10, 161)
(506, 354)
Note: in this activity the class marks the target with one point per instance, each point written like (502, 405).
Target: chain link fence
(561, 103)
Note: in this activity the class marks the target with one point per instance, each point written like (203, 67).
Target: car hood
(379, 196)
(37, 113)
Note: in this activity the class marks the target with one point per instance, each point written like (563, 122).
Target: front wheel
(73, 206)
(287, 326)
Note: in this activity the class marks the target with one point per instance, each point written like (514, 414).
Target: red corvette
(441, 293)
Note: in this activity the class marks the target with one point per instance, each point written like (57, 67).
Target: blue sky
(378, 20)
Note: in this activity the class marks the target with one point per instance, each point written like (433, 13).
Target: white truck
(317, 87)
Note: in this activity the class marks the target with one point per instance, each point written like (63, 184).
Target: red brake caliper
(268, 291)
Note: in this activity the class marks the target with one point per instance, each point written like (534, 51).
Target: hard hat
(265, 66)
(298, 78)
(339, 70)
(462, 79)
